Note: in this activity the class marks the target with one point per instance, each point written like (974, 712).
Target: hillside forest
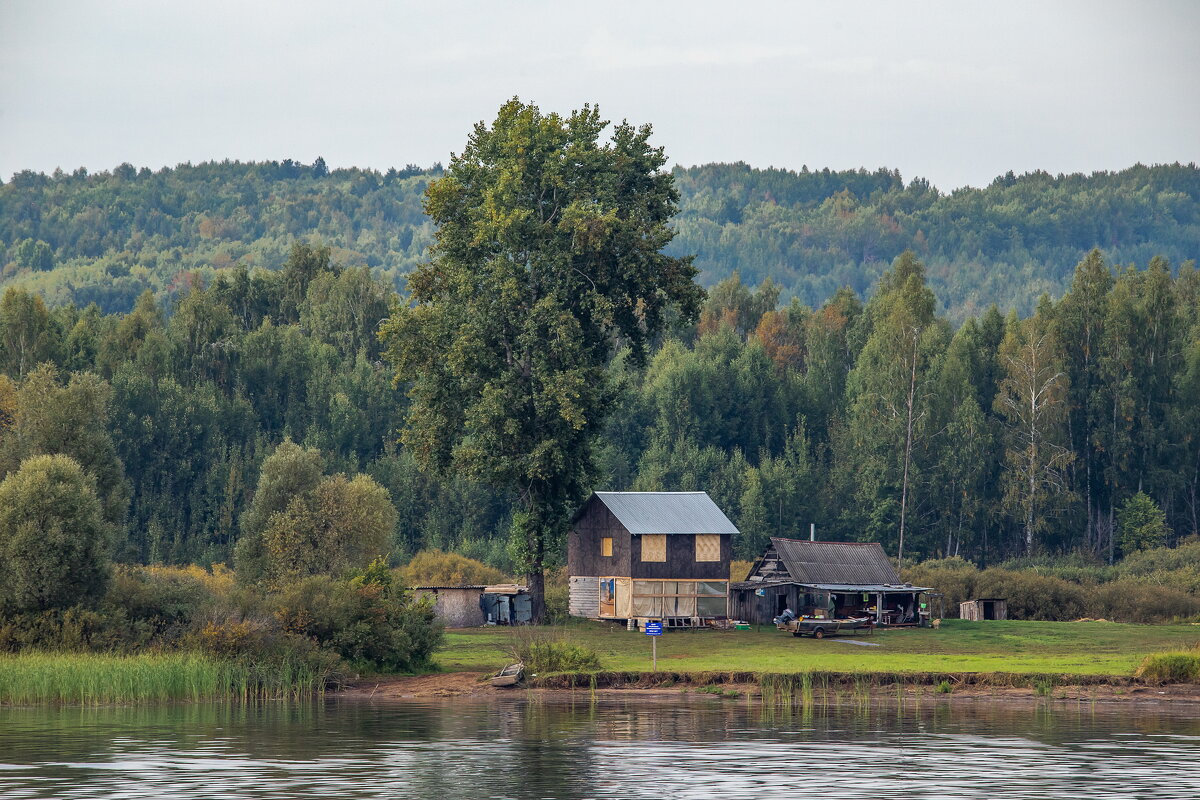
(1070, 429)
(106, 237)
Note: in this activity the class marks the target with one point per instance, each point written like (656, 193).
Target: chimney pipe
(812, 531)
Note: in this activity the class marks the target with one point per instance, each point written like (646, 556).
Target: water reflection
(528, 747)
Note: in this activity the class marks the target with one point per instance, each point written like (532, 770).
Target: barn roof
(837, 563)
(665, 512)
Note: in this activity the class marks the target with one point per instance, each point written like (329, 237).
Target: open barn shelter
(833, 579)
(650, 556)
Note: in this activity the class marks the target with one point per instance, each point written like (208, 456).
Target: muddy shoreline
(476, 685)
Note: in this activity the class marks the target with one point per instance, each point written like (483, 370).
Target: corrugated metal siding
(667, 512)
(583, 597)
(835, 562)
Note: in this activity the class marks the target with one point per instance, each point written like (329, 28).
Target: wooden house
(838, 579)
(650, 556)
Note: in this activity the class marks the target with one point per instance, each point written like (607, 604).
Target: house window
(656, 599)
(708, 547)
(606, 546)
(654, 547)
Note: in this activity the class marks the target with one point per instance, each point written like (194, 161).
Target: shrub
(543, 652)
(1158, 559)
(1129, 601)
(437, 568)
(1031, 596)
(75, 629)
(1077, 567)
(157, 603)
(366, 620)
(1176, 667)
(953, 577)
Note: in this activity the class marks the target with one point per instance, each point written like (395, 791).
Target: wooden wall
(596, 522)
(681, 560)
(583, 543)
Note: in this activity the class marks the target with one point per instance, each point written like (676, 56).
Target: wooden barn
(838, 579)
(650, 556)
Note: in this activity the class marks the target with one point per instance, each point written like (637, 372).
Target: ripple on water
(612, 749)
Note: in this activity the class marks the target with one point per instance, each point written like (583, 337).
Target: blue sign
(653, 628)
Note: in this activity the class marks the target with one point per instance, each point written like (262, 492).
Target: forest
(106, 237)
(1070, 430)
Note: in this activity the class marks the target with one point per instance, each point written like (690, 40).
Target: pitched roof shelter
(831, 563)
(664, 512)
(847, 578)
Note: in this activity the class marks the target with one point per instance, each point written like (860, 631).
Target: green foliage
(301, 523)
(1177, 667)
(1131, 601)
(1141, 524)
(548, 248)
(438, 568)
(238, 309)
(338, 525)
(543, 652)
(369, 622)
(53, 540)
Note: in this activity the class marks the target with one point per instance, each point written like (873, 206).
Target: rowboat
(820, 627)
(509, 676)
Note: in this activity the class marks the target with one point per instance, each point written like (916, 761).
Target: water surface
(637, 747)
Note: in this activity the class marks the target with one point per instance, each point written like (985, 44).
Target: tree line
(106, 237)
(1070, 429)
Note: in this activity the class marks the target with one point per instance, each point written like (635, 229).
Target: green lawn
(1079, 648)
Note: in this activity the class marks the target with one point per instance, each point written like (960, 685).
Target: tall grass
(92, 679)
(1178, 667)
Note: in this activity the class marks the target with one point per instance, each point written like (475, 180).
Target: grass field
(1072, 648)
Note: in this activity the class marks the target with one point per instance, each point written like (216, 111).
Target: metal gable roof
(840, 563)
(666, 512)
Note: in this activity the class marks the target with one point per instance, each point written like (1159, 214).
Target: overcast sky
(957, 92)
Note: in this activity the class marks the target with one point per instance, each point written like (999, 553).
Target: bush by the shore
(1181, 666)
(1156, 585)
(316, 631)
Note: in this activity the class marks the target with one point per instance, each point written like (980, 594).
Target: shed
(984, 608)
(834, 578)
(455, 606)
(650, 555)
(475, 605)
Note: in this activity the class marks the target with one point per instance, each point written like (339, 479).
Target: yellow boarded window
(708, 547)
(654, 547)
(606, 546)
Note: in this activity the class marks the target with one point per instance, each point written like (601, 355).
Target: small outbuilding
(984, 608)
(472, 606)
(650, 556)
(838, 579)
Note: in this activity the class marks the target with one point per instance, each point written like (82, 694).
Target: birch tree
(1032, 401)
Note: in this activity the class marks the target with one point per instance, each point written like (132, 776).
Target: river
(580, 747)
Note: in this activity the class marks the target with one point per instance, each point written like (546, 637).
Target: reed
(93, 679)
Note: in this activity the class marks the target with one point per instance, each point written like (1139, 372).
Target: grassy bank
(1011, 647)
(90, 679)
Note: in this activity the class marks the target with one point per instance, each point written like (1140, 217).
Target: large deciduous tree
(53, 539)
(548, 257)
